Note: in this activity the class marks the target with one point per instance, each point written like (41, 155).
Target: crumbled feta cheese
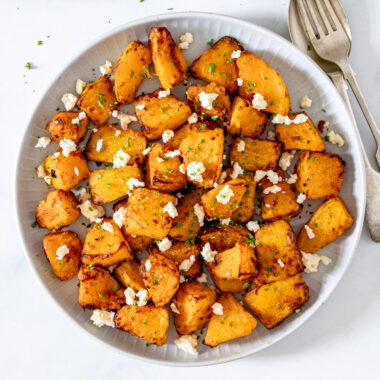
(200, 214)
(146, 151)
(125, 119)
(163, 93)
(140, 106)
(305, 102)
(117, 133)
(309, 232)
(69, 101)
(223, 175)
(148, 265)
(186, 264)
(240, 146)
(173, 154)
(286, 160)
(280, 119)
(225, 195)
(186, 39)
(43, 142)
(115, 113)
(326, 124)
(311, 261)
(99, 145)
(91, 211)
(292, 179)
(253, 226)
(258, 102)
(280, 263)
(272, 189)
(226, 221)
(182, 279)
(300, 118)
(301, 198)
(273, 177)
(95, 130)
(76, 171)
(67, 146)
(106, 68)
(335, 138)
(173, 308)
(107, 226)
(142, 295)
(239, 82)
(217, 308)
(207, 253)
(47, 179)
(79, 86)
(182, 168)
(164, 245)
(119, 216)
(187, 343)
(75, 121)
(41, 172)
(120, 159)
(202, 278)
(207, 99)
(235, 54)
(103, 318)
(171, 210)
(193, 118)
(237, 170)
(167, 135)
(130, 295)
(134, 182)
(159, 159)
(195, 171)
(62, 251)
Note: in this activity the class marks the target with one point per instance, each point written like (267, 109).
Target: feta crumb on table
(67, 146)
(311, 261)
(79, 86)
(103, 318)
(335, 138)
(187, 343)
(186, 39)
(69, 101)
(43, 142)
(305, 102)
(106, 68)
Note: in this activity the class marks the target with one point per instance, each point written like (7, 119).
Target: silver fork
(330, 41)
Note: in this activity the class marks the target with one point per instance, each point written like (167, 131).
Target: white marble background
(37, 341)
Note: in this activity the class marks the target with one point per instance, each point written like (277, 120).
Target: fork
(330, 41)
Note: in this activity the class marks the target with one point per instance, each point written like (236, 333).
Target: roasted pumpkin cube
(193, 302)
(105, 245)
(98, 289)
(169, 62)
(278, 201)
(162, 170)
(65, 172)
(246, 211)
(277, 252)
(300, 136)
(149, 322)
(179, 252)
(186, 225)
(130, 70)
(128, 273)
(259, 77)
(62, 127)
(106, 185)
(59, 209)
(198, 96)
(98, 100)
(246, 120)
(274, 302)
(161, 278)
(257, 154)
(331, 220)
(145, 214)
(222, 201)
(157, 115)
(112, 140)
(235, 322)
(202, 154)
(217, 65)
(320, 175)
(67, 243)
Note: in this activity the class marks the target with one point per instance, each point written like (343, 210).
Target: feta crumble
(200, 214)
(240, 146)
(309, 232)
(272, 189)
(103, 318)
(182, 168)
(119, 216)
(106, 68)
(280, 263)
(134, 182)
(76, 171)
(67, 146)
(292, 179)
(124, 118)
(225, 195)
(140, 106)
(193, 118)
(173, 154)
(286, 159)
(280, 119)
(217, 308)
(173, 308)
(301, 198)
(226, 221)
(305, 102)
(335, 138)
(207, 99)
(171, 210)
(88, 209)
(130, 295)
(163, 93)
(186, 264)
(43, 142)
(167, 135)
(223, 176)
(186, 39)
(41, 172)
(142, 295)
(164, 245)
(235, 54)
(208, 254)
(117, 133)
(239, 82)
(62, 251)
(99, 145)
(146, 151)
(311, 261)
(202, 278)
(79, 86)
(258, 102)
(120, 159)
(148, 265)
(195, 171)
(187, 343)
(69, 101)
(237, 170)
(107, 226)
(253, 226)
(273, 177)
(159, 159)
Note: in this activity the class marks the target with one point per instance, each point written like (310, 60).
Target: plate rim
(159, 18)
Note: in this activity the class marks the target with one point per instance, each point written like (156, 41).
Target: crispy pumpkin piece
(106, 185)
(219, 107)
(145, 214)
(130, 70)
(161, 278)
(184, 251)
(59, 209)
(186, 225)
(279, 201)
(217, 65)
(246, 211)
(329, 221)
(246, 120)
(107, 141)
(62, 127)
(149, 322)
(300, 136)
(67, 243)
(274, 302)
(277, 252)
(157, 115)
(169, 62)
(259, 77)
(320, 175)
(222, 201)
(105, 245)
(65, 172)
(202, 154)
(257, 154)
(193, 302)
(162, 170)
(98, 100)
(128, 273)
(98, 289)
(235, 322)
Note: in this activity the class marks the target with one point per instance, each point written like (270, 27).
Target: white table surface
(37, 341)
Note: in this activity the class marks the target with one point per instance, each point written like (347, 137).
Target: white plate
(301, 75)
